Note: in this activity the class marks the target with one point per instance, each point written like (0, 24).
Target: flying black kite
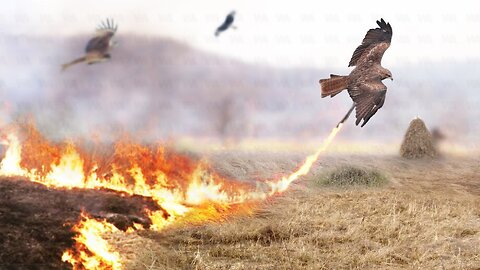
(98, 48)
(364, 84)
(226, 24)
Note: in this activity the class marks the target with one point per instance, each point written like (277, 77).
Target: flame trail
(282, 185)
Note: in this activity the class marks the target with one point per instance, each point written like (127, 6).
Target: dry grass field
(425, 215)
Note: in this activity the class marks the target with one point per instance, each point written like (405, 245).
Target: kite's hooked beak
(391, 78)
(114, 44)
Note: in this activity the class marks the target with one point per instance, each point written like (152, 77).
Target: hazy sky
(282, 33)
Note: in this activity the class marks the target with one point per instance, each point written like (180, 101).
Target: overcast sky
(281, 33)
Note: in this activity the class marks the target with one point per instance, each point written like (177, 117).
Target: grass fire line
(91, 251)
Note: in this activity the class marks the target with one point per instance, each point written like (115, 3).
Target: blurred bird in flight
(226, 24)
(99, 47)
(364, 84)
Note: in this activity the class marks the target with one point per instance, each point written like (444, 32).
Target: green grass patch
(348, 176)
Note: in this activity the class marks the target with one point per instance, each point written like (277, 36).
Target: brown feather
(334, 85)
(368, 99)
(71, 63)
(372, 38)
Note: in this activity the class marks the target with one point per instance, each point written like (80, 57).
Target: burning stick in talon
(346, 115)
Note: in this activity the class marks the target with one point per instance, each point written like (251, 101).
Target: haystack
(418, 142)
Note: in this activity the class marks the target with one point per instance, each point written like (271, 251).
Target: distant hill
(159, 88)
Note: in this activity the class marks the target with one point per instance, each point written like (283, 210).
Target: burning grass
(36, 222)
(185, 191)
(350, 176)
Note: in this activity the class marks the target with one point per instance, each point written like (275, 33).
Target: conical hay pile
(418, 142)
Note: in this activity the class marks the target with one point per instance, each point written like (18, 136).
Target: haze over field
(171, 77)
(287, 33)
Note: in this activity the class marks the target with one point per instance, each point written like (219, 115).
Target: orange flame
(10, 164)
(185, 191)
(68, 172)
(91, 250)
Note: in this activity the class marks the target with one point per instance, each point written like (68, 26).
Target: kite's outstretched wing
(226, 24)
(368, 97)
(101, 42)
(374, 45)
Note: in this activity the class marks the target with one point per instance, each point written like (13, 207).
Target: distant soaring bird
(364, 84)
(226, 24)
(98, 48)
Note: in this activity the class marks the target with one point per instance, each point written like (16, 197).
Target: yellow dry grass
(427, 217)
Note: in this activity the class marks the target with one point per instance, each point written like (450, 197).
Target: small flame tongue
(10, 165)
(91, 251)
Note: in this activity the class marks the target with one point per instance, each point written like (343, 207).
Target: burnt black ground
(36, 221)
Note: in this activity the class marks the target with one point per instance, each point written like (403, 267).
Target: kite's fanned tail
(76, 61)
(334, 85)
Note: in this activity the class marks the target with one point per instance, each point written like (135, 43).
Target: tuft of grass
(347, 176)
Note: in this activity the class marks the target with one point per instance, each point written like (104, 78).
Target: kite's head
(386, 74)
(113, 43)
